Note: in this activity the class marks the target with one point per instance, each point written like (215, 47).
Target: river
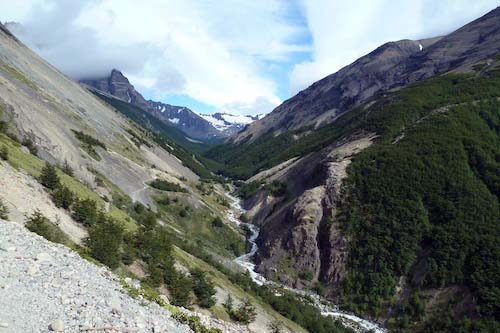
(327, 308)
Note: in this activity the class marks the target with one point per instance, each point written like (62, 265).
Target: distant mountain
(230, 124)
(391, 66)
(180, 116)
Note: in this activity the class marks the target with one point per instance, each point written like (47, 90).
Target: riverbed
(326, 307)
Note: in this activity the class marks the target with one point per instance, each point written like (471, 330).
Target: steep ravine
(326, 307)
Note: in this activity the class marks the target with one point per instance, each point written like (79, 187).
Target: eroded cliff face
(301, 240)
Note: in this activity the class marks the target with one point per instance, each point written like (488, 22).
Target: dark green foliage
(245, 313)
(28, 143)
(276, 188)
(42, 226)
(88, 139)
(217, 222)
(203, 288)
(427, 207)
(49, 177)
(247, 190)
(182, 213)
(67, 169)
(63, 197)
(164, 185)
(4, 211)
(105, 240)
(194, 323)
(180, 289)
(85, 211)
(4, 153)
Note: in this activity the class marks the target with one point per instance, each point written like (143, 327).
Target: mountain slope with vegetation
(392, 209)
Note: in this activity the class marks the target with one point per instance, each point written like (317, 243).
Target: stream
(327, 308)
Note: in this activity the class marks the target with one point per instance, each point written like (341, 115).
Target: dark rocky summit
(179, 116)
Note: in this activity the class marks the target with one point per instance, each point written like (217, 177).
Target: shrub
(245, 313)
(42, 226)
(4, 153)
(276, 326)
(67, 169)
(203, 288)
(49, 177)
(85, 212)
(180, 288)
(182, 213)
(28, 143)
(4, 211)
(164, 185)
(105, 240)
(217, 222)
(63, 197)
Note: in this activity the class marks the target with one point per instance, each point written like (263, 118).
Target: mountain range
(371, 197)
(199, 127)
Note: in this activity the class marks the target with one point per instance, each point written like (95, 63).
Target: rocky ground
(47, 287)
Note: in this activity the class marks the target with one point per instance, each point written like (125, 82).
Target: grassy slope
(33, 166)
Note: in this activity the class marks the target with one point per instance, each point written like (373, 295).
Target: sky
(234, 56)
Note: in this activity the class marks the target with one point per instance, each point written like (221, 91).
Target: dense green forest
(427, 206)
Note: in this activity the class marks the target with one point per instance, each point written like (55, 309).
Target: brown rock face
(301, 241)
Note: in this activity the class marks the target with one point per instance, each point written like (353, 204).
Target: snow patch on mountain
(225, 121)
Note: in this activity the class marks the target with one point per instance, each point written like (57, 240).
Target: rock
(4, 325)
(43, 256)
(33, 270)
(57, 325)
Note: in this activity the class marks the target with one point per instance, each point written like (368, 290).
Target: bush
(276, 326)
(42, 226)
(85, 212)
(182, 213)
(28, 143)
(63, 197)
(245, 313)
(4, 211)
(4, 153)
(67, 169)
(180, 289)
(203, 288)
(105, 241)
(217, 222)
(164, 185)
(49, 177)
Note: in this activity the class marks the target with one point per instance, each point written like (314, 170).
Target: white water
(326, 308)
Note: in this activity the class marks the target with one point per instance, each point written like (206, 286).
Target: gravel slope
(41, 282)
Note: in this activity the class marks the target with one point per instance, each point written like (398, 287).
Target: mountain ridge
(390, 66)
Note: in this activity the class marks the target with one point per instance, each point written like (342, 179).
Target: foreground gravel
(45, 285)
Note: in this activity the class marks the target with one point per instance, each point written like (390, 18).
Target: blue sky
(242, 57)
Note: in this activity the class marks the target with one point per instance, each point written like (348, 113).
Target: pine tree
(105, 241)
(85, 212)
(203, 288)
(179, 289)
(49, 177)
(228, 303)
(63, 197)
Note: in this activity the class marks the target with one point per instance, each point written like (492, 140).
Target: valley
(366, 202)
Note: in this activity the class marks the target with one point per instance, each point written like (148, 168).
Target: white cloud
(343, 31)
(212, 51)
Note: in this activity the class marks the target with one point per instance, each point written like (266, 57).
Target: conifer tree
(49, 177)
